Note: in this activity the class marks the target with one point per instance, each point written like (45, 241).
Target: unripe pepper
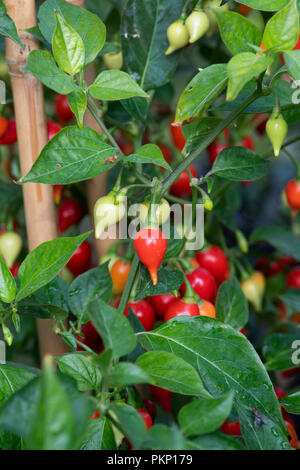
(10, 247)
(119, 274)
(177, 35)
(162, 211)
(151, 245)
(197, 24)
(254, 289)
(207, 309)
(113, 60)
(277, 130)
(109, 210)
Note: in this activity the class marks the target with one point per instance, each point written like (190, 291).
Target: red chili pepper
(62, 108)
(119, 274)
(80, 258)
(233, 428)
(177, 136)
(166, 151)
(10, 135)
(214, 261)
(95, 415)
(70, 212)
(182, 307)
(3, 125)
(293, 278)
(151, 246)
(91, 337)
(151, 408)
(182, 187)
(292, 191)
(202, 282)
(163, 397)
(161, 303)
(214, 149)
(15, 269)
(146, 418)
(144, 312)
(52, 128)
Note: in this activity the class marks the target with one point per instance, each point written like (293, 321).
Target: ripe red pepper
(166, 151)
(150, 245)
(163, 397)
(95, 415)
(181, 187)
(161, 303)
(151, 408)
(119, 274)
(62, 108)
(214, 149)
(144, 312)
(207, 309)
(15, 269)
(126, 146)
(146, 418)
(202, 282)
(292, 191)
(80, 258)
(91, 337)
(177, 136)
(233, 428)
(182, 307)
(248, 142)
(70, 212)
(3, 125)
(10, 135)
(214, 261)
(270, 268)
(293, 278)
(52, 128)
(260, 121)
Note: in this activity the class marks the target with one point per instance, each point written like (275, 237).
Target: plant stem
(95, 112)
(129, 284)
(172, 177)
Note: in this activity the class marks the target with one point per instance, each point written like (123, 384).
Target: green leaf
(213, 441)
(281, 350)
(43, 67)
(264, 5)
(169, 371)
(280, 238)
(112, 326)
(212, 348)
(239, 164)
(78, 102)
(11, 380)
(292, 61)
(242, 68)
(291, 403)
(78, 366)
(168, 280)
(53, 424)
(44, 263)
(205, 415)
(71, 156)
(282, 30)
(137, 107)
(68, 47)
(237, 32)
(162, 437)
(88, 25)
(7, 26)
(144, 40)
(99, 435)
(292, 298)
(8, 287)
(148, 153)
(232, 306)
(195, 132)
(202, 90)
(112, 85)
(95, 282)
(126, 373)
(131, 423)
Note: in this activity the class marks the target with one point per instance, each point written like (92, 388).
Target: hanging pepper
(178, 36)
(10, 247)
(151, 245)
(109, 210)
(197, 24)
(254, 289)
(277, 130)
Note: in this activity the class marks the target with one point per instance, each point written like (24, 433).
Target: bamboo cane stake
(95, 187)
(32, 137)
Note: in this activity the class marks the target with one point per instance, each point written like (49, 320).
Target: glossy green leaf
(131, 422)
(137, 107)
(162, 437)
(148, 153)
(264, 5)
(11, 380)
(84, 288)
(213, 441)
(237, 32)
(242, 68)
(239, 164)
(195, 132)
(68, 47)
(112, 85)
(291, 403)
(44, 263)
(213, 349)
(144, 40)
(126, 373)
(8, 288)
(280, 238)
(232, 306)
(78, 102)
(112, 326)
(72, 155)
(282, 350)
(88, 25)
(202, 90)
(169, 371)
(292, 61)
(168, 280)
(78, 366)
(7, 26)
(282, 29)
(99, 435)
(43, 67)
(205, 415)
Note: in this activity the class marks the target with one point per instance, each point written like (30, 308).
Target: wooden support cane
(32, 137)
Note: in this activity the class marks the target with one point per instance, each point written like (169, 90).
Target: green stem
(95, 112)
(172, 177)
(129, 284)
